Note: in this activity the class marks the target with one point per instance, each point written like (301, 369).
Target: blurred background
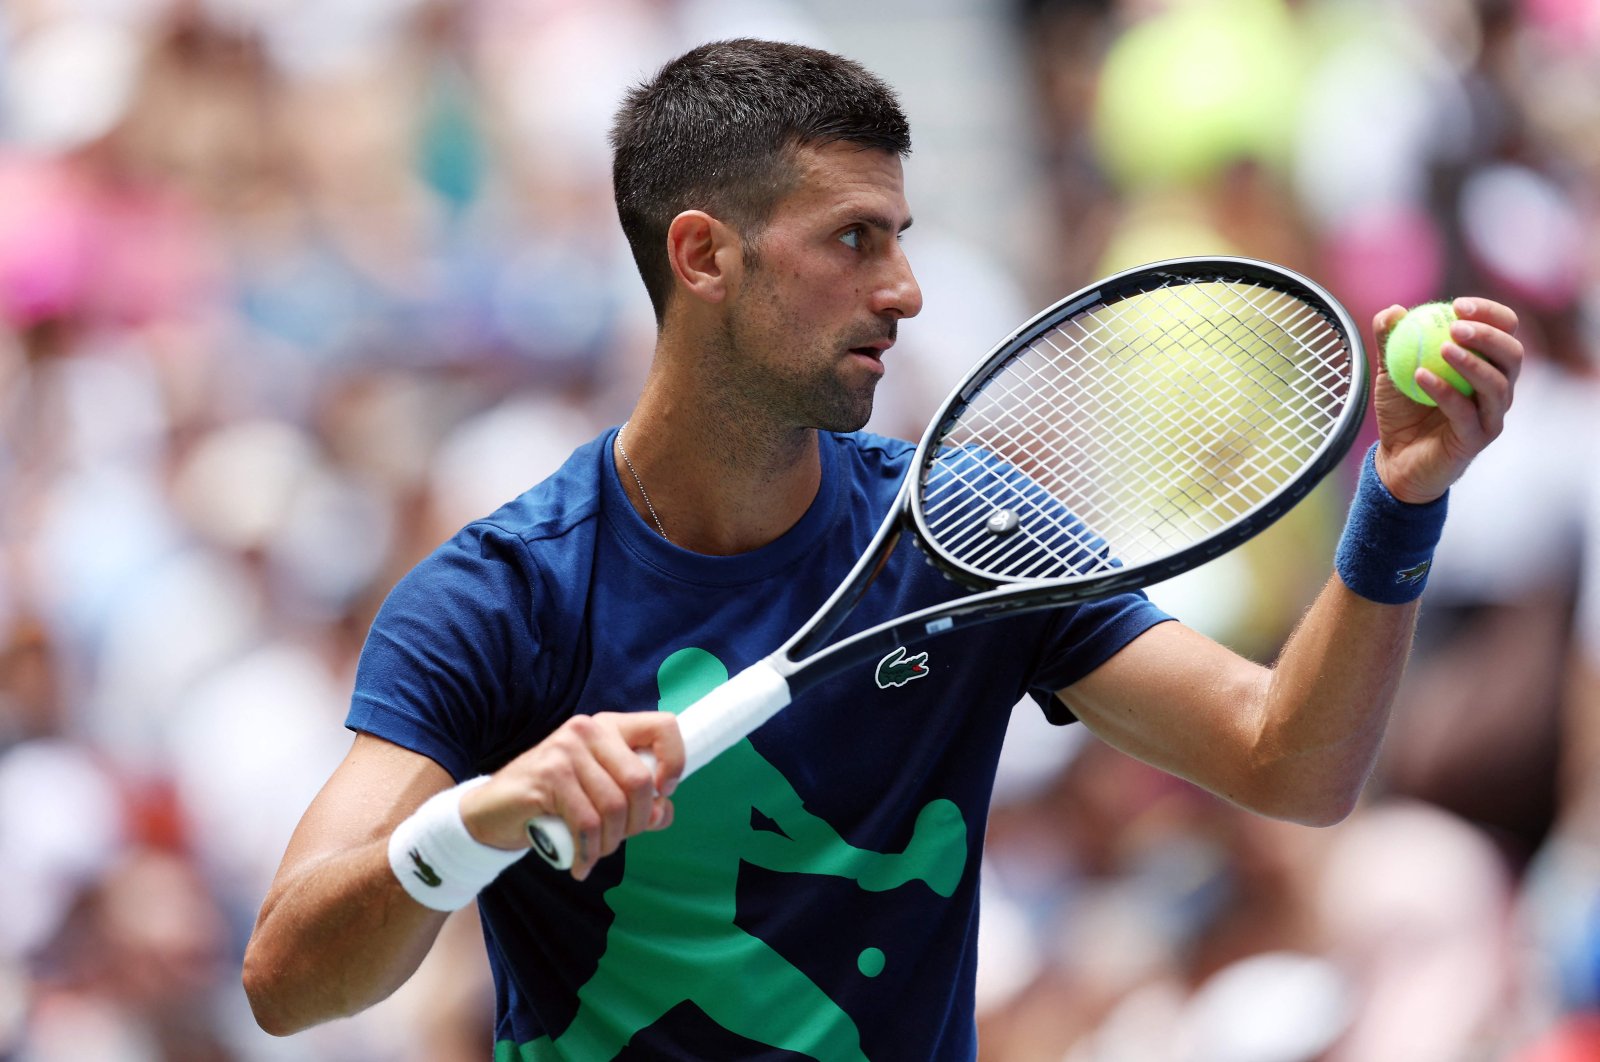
(291, 289)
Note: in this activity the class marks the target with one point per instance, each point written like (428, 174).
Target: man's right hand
(589, 773)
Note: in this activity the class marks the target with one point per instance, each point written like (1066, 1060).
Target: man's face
(819, 301)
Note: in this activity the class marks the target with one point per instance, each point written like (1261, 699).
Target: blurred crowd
(290, 290)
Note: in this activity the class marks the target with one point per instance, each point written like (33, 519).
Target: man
(813, 890)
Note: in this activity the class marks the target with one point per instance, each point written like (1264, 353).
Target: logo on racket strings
(897, 669)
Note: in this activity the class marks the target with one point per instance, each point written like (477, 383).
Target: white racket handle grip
(714, 723)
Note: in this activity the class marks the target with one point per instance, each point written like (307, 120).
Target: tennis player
(814, 889)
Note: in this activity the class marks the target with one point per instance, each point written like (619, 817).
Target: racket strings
(1187, 392)
(1238, 397)
(1189, 409)
(1136, 429)
(1092, 470)
(1324, 370)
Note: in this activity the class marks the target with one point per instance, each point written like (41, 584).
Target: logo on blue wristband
(1415, 574)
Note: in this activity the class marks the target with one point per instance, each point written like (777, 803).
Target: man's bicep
(374, 788)
(1177, 700)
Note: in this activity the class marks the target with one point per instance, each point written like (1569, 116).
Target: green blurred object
(450, 149)
(1203, 84)
(1165, 222)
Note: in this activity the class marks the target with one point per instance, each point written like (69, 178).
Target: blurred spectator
(135, 968)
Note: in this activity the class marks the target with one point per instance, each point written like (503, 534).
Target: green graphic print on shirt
(674, 940)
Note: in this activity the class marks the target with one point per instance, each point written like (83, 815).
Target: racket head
(1139, 428)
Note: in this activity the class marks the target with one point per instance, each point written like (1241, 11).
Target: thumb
(1382, 324)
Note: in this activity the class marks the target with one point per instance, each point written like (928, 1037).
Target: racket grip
(550, 836)
(709, 726)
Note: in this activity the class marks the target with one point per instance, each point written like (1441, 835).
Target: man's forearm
(334, 939)
(1328, 703)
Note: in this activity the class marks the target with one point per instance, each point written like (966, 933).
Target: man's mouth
(870, 357)
(875, 349)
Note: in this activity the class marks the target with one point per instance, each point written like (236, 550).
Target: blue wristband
(1387, 546)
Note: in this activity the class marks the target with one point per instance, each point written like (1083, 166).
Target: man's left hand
(1422, 449)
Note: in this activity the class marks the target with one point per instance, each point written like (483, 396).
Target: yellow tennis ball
(1414, 344)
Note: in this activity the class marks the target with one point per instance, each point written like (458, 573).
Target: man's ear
(705, 254)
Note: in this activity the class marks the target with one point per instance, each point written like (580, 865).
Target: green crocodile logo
(426, 874)
(897, 669)
(1414, 574)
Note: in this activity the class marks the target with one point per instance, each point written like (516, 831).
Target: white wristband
(440, 864)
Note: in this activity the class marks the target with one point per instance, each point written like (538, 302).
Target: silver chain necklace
(623, 450)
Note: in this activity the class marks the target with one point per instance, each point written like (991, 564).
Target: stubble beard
(767, 376)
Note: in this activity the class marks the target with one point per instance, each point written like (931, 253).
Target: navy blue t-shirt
(817, 893)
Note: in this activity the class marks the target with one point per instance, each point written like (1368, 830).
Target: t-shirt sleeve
(448, 668)
(1080, 638)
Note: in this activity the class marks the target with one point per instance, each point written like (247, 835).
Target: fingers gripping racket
(1128, 433)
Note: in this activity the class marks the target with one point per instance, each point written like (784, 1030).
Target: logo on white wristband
(425, 874)
(437, 861)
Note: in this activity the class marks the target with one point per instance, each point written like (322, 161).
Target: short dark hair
(717, 130)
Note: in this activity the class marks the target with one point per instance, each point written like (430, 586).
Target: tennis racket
(1126, 434)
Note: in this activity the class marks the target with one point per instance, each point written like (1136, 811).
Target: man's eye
(852, 239)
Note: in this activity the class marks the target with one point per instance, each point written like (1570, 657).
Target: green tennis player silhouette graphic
(673, 938)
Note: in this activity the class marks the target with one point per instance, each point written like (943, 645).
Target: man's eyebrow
(880, 221)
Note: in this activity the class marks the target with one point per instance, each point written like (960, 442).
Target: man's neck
(720, 480)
